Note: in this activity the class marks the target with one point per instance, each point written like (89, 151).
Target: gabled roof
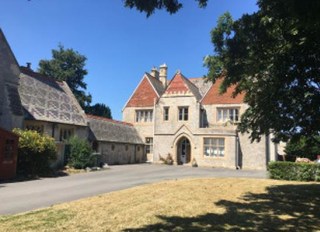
(45, 99)
(148, 90)
(181, 85)
(213, 96)
(8, 60)
(9, 78)
(108, 130)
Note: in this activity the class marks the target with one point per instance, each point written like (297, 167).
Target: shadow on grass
(283, 207)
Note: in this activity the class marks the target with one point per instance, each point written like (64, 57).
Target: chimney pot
(154, 72)
(29, 65)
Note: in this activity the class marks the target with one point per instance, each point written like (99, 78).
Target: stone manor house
(184, 117)
(188, 119)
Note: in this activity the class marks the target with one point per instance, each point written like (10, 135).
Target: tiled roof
(213, 96)
(103, 129)
(145, 94)
(45, 99)
(181, 85)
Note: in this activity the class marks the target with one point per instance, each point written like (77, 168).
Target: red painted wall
(8, 154)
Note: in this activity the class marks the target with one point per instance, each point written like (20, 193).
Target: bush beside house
(294, 171)
(35, 152)
(80, 153)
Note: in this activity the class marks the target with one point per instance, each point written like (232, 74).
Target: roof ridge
(108, 119)
(31, 73)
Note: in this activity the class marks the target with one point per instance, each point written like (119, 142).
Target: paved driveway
(29, 195)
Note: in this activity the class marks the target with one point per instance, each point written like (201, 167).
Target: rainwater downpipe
(237, 151)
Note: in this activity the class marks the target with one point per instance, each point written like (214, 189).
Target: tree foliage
(307, 147)
(68, 65)
(99, 109)
(273, 57)
(148, 7)
(35, 151)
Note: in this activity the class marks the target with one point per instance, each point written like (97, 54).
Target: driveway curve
(24, 196)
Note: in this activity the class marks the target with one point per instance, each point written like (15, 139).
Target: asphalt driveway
(24, 196)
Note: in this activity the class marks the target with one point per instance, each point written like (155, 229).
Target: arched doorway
(183, 151)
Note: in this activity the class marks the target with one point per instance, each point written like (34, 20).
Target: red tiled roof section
(177, 85)
(108, 119)
(144, 96)
(214, 97)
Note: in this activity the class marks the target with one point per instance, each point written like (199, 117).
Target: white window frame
(183, 113)
(213, 147)
(144, 116)
(149, 145)
(228, 114)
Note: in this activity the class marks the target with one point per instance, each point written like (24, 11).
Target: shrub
(294, 171)
(80, 153)
(168, 160)
(35, 151)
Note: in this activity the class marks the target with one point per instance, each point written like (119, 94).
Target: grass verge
(184, 205)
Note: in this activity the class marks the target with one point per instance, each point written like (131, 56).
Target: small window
(112, 147)
(65, 134)
(149, 145)
(138, 148)
(183, 113)
(9, 150)
(166, 113)
(127, 147)
(213, 147)
(38, 128)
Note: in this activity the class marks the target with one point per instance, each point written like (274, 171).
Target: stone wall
(118, 153)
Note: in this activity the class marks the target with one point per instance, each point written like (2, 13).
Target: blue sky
(120, 44)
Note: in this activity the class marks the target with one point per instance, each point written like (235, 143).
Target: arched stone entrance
(183, 151)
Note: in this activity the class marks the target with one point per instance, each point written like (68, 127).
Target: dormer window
(228, 114)
(183, 113)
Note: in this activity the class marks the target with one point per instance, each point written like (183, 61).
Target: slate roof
(9, 75)
(201, 84)
(45, 99)
(103, 129)
(15, 101)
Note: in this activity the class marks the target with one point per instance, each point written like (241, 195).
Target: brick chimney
(163, 75)
(154, 72)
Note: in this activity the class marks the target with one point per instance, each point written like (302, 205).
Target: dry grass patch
(184, 205)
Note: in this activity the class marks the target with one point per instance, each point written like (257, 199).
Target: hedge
(282, 170)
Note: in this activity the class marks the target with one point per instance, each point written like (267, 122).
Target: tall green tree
(68, 65)
(273, 56)
(99, 109)
(149, 6)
